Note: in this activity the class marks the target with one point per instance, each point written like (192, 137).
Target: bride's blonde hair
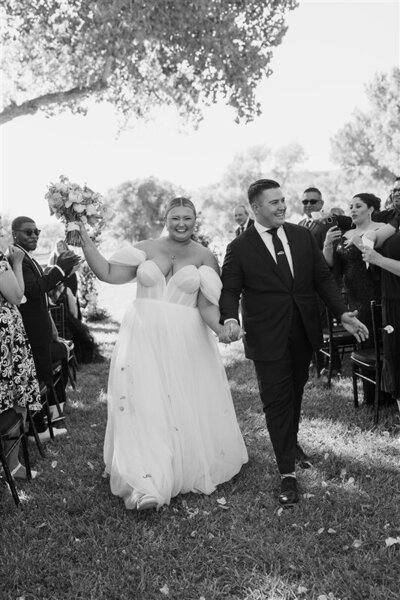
(180, 201)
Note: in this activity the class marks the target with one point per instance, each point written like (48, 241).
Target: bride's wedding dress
(171, 423)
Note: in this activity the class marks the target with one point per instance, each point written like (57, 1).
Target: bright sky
(331, 50)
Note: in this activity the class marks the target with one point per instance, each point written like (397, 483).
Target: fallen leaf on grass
(307, 496)
(324, 484)
(302, 590)
(221, 501)
(279, 511)
(343, 474)
(390, 541)
(321, 530)
(357, 543)
(93, 425)
(54, 464)
(331, 530)
(326, 455)
(350, 480)
(42, 525)
(193, 534)
(165, 590)
(90, 465)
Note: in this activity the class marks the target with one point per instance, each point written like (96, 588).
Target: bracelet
(328, 246)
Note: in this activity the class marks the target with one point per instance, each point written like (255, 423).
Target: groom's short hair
(259, 186)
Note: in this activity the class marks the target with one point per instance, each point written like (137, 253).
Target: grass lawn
(74, 540)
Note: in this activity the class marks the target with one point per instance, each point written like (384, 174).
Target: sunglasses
(310, 201)
(29, 232)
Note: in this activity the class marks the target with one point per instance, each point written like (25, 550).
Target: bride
(171, 424)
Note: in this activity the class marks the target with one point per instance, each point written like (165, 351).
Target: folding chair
(9, 420)
(367, 364)
(336, 339)
(58, 315)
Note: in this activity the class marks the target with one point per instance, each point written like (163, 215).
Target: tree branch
(31, 107)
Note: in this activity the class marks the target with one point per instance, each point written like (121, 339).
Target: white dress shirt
(267, 239)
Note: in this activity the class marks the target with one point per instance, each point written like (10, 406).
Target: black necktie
(241, 228)
(281, 258)
(309, 223)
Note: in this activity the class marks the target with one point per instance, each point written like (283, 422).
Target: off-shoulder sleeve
(127, 256)
(210, 284)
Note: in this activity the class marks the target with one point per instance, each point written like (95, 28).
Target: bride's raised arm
(101, 267)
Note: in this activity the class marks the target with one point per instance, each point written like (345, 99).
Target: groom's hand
(354, 326)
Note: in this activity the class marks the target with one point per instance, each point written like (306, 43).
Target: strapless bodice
(181, 288)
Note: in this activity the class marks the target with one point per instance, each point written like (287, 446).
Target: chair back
(57, 313)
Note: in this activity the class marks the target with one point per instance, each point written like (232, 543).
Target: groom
(278, 271)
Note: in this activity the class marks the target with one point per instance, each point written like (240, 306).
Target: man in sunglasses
(313, 203)
(34, 311)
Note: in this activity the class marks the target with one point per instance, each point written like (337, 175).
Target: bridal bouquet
(73, 204)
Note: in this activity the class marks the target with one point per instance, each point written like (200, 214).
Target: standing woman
(388, 260)
(343, 253)
(171, 425)
(19, 389)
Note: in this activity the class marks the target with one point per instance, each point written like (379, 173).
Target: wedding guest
(278, 269)
(389, 215)
(242, 218)
(169, 430)
(34, 311)
(388, 260)
(312, 205)
(71, 282)
(343, 253)
(19, 389)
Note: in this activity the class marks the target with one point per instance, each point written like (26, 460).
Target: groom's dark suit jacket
(267, 303)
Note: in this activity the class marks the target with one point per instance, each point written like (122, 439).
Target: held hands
(15, 255)
(354, 326)
(230, 332)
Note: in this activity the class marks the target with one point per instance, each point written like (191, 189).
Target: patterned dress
(18, 383)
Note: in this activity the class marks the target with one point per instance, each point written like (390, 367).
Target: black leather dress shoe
(302, 460)
(289, 494)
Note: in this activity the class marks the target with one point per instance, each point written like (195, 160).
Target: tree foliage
(371, 141)
(219, 200)
(139, 208)
(138, 54)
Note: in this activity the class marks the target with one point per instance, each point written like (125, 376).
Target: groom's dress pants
(281, 384)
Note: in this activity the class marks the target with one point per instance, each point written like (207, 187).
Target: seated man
(34, 311)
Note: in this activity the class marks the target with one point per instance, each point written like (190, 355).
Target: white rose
(78, 207)
(91, 210)
(76, 196)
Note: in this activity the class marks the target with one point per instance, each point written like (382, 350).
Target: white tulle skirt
(171, 426)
